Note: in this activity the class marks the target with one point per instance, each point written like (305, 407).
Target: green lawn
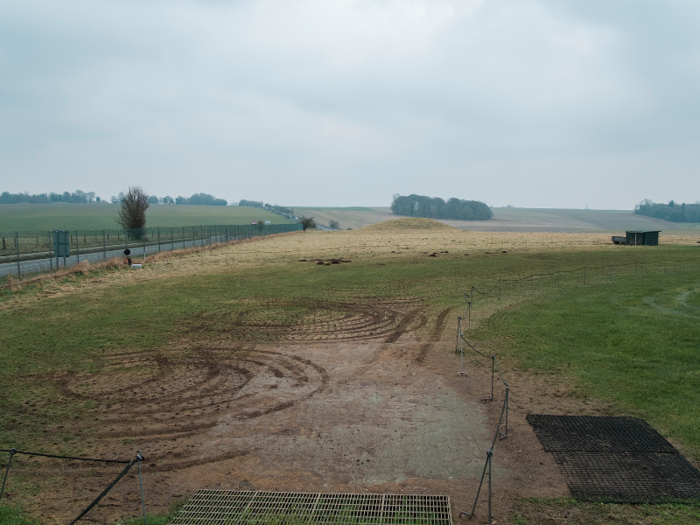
(630, 340)
(63, 216)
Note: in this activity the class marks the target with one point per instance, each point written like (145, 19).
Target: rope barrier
(105, 491)
(129, 463)
(502, 422)
(12, 452)
(63, 457)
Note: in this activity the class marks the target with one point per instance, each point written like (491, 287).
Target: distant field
(523, 219)
(518, 220)
(332, 208)
(348, 217)
(63, 216)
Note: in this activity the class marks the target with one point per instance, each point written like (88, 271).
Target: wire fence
(129, 463)
(23, 253)
(586, 275)
(502, 420)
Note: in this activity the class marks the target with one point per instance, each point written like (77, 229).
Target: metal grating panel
(630, 478)
(619, 459)
(277, 508)
(598, 434)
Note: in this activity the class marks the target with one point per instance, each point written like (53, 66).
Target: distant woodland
(44, 198)
(437, 208)
(86, 197)
(672, 211)
(274, 208)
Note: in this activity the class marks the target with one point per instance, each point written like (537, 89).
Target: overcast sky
(533, 103)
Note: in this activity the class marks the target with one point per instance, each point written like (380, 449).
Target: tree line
(274, 208)
(87, 197)
(672, 211)
(437, 208)
(199, 199)
(77, 196)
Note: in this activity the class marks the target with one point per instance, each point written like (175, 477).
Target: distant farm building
(638, 238)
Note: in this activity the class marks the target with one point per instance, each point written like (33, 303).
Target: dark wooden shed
(637, 238)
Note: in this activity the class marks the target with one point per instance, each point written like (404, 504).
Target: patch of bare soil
(356, 397)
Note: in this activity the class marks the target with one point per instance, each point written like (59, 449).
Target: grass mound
(408, 223)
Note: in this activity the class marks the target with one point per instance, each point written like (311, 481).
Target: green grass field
(628, 339)
(63, 216)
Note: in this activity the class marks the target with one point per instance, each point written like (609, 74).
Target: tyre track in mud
(204, 386)
(336, 321)
(170, 402)
(435, 334)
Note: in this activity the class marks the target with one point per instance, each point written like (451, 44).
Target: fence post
(158, 239)
(50, 252)
(459, 331)
(143, 500)
(143, 236)
(489, 454)
(12, 453)
(104, 245)
(493, 371)
(19, 269)
(77, 245)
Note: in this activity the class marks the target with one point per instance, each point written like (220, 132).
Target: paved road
(42, 263)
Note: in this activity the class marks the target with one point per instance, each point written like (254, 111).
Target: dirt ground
(358, 403)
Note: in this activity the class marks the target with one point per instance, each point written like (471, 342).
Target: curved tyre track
(321, 321)
(167, 404)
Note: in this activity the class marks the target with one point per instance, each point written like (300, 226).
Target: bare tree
(308, 223)
(132, 214)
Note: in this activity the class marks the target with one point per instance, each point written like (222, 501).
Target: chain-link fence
(23, 253)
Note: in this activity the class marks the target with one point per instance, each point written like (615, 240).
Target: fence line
(35, 252)
(129, 463)
(502, 420)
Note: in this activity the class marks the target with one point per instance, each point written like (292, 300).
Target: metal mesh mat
(633, 478)
(619, 459)
(598, 434)
(278, 508)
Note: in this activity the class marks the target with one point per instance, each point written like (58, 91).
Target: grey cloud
(532, 103)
